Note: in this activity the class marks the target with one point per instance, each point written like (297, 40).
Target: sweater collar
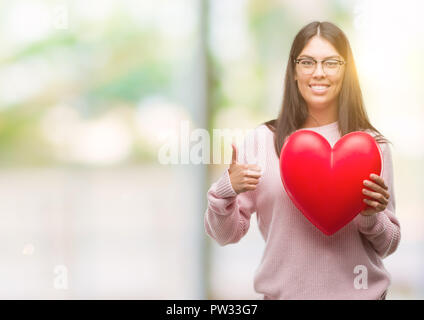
(328, 127)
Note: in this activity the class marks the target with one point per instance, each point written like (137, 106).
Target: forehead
(319, 48)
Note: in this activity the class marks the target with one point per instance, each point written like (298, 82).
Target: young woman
(322, 94)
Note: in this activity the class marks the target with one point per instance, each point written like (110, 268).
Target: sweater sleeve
(227, 217)
(382, 229)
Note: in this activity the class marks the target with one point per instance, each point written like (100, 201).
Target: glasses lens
(307, 66)
(330, 67)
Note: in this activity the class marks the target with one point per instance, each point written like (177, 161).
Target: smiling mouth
(319, 88)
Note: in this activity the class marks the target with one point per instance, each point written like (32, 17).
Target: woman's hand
(381, 195)
(244, 177)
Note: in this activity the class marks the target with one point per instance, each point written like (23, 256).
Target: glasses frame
(340, 62)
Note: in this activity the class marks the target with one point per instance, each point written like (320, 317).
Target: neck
(320, 116)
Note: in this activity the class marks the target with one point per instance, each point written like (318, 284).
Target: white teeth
(319, 87)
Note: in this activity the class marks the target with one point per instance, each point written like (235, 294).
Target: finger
(250, 187)
(251, 181)
(251, 166)
(376, 187)
(375, 204)
(378, 196)
(252, 173)
(369, 211)
(379, 180)
(234, 157)
(254, 167)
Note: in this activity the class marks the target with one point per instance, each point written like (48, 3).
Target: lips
(319, 88)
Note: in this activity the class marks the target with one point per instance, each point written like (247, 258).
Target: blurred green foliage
(97, 66)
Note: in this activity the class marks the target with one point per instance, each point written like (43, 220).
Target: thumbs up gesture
(244, 177)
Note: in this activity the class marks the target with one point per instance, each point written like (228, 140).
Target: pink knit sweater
(299, 261)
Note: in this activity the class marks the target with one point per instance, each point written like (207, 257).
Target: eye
(307, 63)
(331, 63)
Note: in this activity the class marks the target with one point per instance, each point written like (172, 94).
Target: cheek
(339, 83)
(338, 87)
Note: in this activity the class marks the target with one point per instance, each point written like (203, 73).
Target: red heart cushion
(326, 183)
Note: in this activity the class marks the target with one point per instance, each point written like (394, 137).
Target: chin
(318, 102)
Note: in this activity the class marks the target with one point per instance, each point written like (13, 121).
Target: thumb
(234, 159)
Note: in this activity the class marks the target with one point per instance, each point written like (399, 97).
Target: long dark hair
(352, 115)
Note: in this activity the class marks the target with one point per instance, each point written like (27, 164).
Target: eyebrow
(304, 55)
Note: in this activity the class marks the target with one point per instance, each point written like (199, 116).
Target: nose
(318, 72)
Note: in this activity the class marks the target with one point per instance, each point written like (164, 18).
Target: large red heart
(326, 183)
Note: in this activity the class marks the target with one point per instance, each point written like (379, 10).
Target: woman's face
(319, 49)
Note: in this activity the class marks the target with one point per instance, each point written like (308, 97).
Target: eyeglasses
(330, 66)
